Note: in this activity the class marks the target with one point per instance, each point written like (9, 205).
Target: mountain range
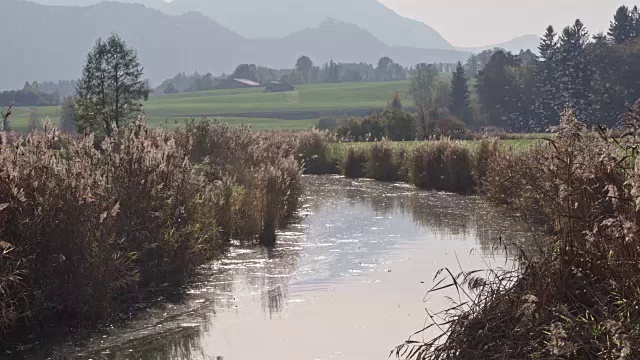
(279, 18)
(51, 43)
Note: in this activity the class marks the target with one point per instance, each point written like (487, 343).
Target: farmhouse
(246, 83)
(275, 86)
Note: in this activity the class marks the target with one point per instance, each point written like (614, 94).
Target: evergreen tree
(623, 26)
(332, 72)
(111, 89)
(499, 90)
(547, 107)
(460, 99)
(574, 73)
(606, 94)
(635, 13)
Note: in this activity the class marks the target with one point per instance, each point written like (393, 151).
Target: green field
(298, 109)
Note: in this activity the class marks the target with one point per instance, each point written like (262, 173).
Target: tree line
(30, 95)
(598, 76)
(304, 72)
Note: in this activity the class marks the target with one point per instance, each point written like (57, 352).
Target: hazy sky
(482, 22)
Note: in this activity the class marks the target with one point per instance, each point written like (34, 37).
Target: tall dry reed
(581, 298)
(89, 226)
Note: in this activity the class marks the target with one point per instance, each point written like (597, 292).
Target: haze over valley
(215, 36)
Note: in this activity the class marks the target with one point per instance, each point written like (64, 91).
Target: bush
(450, 127)
(327, 123)
(459, 177)
(314, 152)
(381, 165)
(355, 164)
(428, 168)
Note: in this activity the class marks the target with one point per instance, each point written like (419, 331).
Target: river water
(346, 281)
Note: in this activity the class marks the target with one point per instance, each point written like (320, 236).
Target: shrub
(450, 127)
(428, 168)
(313, 152)
(355, 163)
(459, 177)
(381, 165)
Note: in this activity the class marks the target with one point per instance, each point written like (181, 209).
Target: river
(347, 280)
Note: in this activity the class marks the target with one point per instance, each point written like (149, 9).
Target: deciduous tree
(111, 91)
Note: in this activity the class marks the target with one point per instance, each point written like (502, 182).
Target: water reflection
(329, 276)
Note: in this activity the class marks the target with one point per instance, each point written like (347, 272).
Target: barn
(275, 86)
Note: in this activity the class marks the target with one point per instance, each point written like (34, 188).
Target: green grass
(253, 106)
(318, 97)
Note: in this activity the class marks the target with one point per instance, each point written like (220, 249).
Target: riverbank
(90, 228)
(580, 298)
(345, 279)
(443, 165)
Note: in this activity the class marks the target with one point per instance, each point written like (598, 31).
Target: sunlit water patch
(346, 281)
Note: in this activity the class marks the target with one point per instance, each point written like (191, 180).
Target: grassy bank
(444, 165)
(581, 298)
(89, 227)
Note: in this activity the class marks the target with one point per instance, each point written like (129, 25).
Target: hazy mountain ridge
(52, 42)
(514, 45)
(284, 17)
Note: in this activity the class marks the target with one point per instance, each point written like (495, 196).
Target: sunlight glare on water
(347, 280)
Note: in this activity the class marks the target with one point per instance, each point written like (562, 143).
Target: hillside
(278, 18)
(52, 42)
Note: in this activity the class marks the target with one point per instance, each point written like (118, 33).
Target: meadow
(298, 109)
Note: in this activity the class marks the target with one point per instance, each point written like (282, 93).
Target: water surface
(345, 281)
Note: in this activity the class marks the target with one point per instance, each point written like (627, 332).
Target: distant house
(275, 86)
(238, 84)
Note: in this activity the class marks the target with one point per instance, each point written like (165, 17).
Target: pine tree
(574, 73)
(499, 91)
(635, 13)
(460, 100)
(111, 89)
(547, 107)
(623, 26)
(606, 94)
